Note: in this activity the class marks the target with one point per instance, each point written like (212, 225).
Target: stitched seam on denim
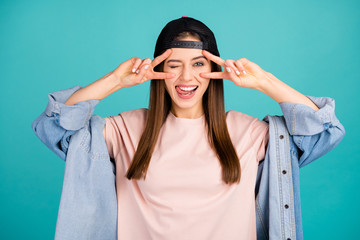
(86, 149)
(98, 156)
(323, 115)
(89, 111)
(291, 190)
(292, 115)
(56, 109)
(85, 134)
(279, 180)
(84, 137)
(84, 145)
(50, 107)
(259, 213)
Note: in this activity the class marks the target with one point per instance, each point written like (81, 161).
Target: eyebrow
(176, 60)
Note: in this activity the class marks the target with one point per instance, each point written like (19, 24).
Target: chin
(183, 105)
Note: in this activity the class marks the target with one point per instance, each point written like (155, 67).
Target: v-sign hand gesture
(135, 71)
(255, 77)
(242, 72)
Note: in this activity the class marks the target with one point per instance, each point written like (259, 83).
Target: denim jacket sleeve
(313, 132)
(59, 121)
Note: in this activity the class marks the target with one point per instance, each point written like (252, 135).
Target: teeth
(187, 88)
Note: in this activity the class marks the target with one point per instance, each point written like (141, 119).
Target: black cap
(174, 27)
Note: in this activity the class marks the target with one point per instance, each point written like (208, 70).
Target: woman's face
(187, 88)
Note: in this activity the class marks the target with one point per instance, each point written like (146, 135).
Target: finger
(213, 75)
(250, 66)
(140, 73)
(241, 68)
(136, 63)
(146, 62)
(231, 68)
(162, 75)
(214, 58)
(161, 58)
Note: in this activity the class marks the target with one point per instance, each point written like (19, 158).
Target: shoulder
(130, 118)
(235, 120)
(241, 125)
(235, 115)
(137, 114)
(131, 115)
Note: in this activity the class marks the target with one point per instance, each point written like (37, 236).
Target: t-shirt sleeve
(112, 138)
(123, 132)
(260, 138)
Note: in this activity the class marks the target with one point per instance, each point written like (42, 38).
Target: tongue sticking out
(184, 92)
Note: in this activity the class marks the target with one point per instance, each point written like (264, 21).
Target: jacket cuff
(303, 120)
(69, 117)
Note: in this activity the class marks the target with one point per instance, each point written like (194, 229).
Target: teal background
(46, 46)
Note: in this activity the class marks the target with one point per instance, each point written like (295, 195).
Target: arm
(70, 110)
(311, 121)
(99, 90)
(247, 74)
(281, 92)
(130, 73)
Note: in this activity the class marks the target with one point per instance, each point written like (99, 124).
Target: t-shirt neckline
(199, 120)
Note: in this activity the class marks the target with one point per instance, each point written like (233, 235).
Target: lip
(186, 96)
(183, 85)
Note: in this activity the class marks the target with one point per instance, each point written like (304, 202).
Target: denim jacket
(88, 205)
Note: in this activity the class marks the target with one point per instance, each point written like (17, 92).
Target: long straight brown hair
(215, 117)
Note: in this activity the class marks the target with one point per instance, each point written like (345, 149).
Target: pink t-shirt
(183, 195)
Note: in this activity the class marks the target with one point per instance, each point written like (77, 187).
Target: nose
(187, 74)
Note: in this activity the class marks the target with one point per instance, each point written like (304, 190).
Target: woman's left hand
(253, 77)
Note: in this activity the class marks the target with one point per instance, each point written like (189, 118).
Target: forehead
(184, 54)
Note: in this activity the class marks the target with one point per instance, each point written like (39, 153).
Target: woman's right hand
(136, 71)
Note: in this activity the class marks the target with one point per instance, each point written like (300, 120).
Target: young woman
(186, 169)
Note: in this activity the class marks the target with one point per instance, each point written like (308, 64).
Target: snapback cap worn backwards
(174, 27)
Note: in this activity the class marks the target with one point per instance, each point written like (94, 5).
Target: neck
(187, 113)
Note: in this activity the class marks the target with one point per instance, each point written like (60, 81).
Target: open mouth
(186, 90)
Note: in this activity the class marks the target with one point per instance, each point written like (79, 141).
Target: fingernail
(137, 71)
(237, 72)
(146, 66)
(228, 69)
(244, 72)
(133, 70)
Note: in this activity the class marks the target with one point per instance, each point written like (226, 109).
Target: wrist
(276, 89)
(112, 81)
(267, 84)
